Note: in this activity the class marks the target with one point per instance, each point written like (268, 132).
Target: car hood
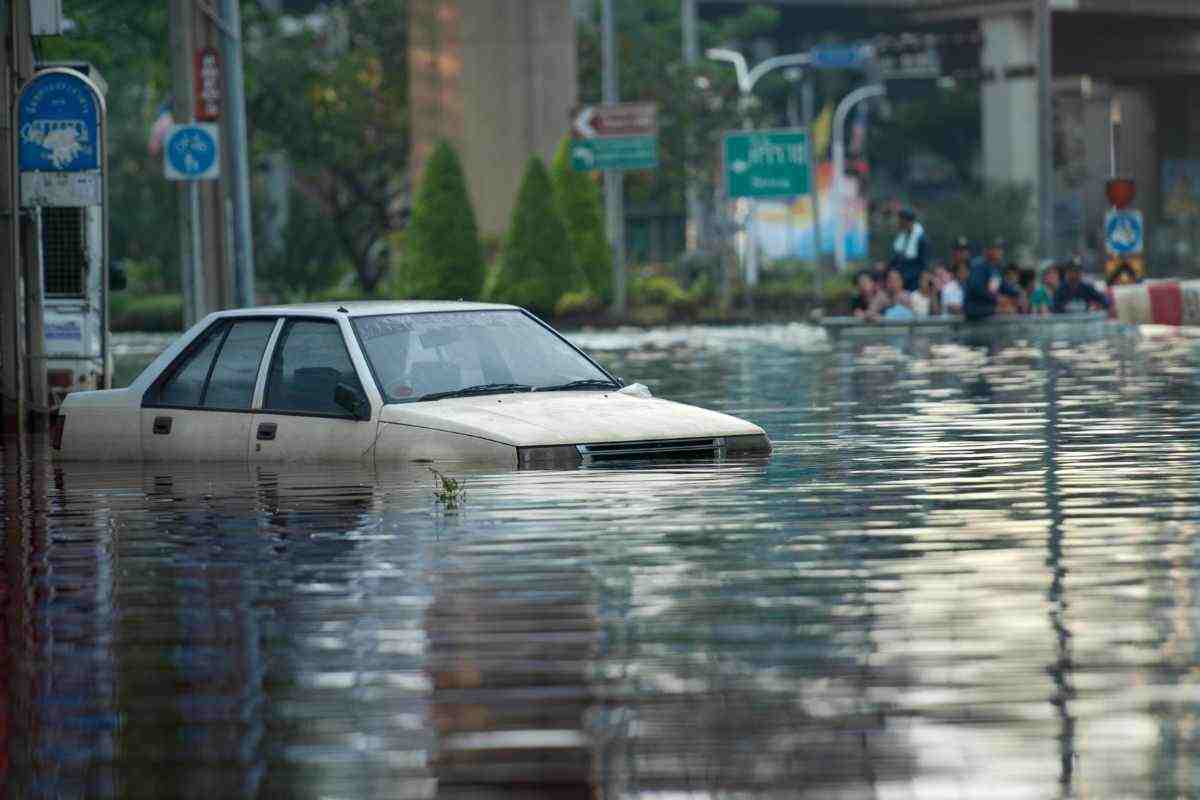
(550, 418)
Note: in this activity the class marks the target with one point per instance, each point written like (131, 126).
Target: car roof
(366, 308)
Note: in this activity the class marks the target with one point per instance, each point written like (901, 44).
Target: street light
(746, 78)
(839, 166)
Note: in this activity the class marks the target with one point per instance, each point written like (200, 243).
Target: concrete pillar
(498, 79)
(1010, 100)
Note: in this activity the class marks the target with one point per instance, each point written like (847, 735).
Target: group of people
(975, 288)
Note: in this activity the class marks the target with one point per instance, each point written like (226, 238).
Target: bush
(657, 290)
(578, 199)
(537, 265)
(576, 303)
(443, 258)
(156, 313)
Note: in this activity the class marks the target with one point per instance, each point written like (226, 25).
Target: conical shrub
(578, 199)
(537, 265)
(443, 259)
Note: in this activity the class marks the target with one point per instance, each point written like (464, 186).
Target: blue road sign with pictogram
(1124, 231)
(192, 153)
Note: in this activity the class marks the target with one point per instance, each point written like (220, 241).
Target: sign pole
(235, 134)
(614, 180)
(814, 187)
(181, 20)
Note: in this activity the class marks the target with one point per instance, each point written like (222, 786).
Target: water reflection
(969, 571)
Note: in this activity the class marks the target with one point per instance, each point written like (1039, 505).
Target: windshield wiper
(586, 383)
(483, 388)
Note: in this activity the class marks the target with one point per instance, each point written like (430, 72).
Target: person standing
(910, 250)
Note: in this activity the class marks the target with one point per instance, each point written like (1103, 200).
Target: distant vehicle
(405, 381)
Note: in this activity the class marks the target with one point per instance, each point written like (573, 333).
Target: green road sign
(614, 152)
(766, 163)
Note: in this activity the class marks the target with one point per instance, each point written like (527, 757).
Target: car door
(200, 407)
(298, 418)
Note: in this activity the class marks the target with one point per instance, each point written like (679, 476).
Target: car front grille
(653, 449)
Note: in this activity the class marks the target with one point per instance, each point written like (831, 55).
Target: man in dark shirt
(985, 284)
(1075, 294)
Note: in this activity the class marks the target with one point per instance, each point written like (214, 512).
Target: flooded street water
(970, 570)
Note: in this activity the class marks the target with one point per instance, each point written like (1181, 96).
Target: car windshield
(423, 356)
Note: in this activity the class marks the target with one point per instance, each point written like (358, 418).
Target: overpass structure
(1135, 60)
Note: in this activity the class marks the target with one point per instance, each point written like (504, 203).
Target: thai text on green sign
(766, 163)
(614, 152)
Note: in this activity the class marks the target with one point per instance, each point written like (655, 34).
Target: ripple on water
(970, 570)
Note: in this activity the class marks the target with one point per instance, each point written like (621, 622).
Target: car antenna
(343, 309)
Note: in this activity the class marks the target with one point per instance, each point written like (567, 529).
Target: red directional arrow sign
(620, 119)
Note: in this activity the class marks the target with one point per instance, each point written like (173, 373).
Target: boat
(857, 326)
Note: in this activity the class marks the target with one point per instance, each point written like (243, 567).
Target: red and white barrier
(1158, 303)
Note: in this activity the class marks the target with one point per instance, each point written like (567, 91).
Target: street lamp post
(746, 78)
(839, 166)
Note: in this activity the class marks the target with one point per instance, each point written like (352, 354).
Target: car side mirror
(352, 400)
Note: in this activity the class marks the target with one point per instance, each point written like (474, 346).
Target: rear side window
(231, 384)
(221, 371)
(310, 361)
(186, 385)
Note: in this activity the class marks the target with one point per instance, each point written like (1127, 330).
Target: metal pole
(1114, 123)
(234, 115)
(1045, 130)
(15, 69)
(180, 18)
(695, 233)
(839, 166)
(614, 180)
(814, 189)
(35, 313)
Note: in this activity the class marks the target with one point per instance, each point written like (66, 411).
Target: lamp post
(746, 78)
(839, 165)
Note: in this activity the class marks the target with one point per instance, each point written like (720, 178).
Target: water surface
(969, 570)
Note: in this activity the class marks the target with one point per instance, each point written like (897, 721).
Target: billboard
(784, 228)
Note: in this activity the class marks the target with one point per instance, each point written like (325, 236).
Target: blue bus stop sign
(59, 124)
(192, 153)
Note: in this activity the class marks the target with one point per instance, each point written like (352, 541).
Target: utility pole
(1045, 84)
(695, 234)
(614, 180)
(181, 19)
(16, 67)
(234, 117)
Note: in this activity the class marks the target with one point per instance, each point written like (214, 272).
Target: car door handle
(266, 431)
(162, 426)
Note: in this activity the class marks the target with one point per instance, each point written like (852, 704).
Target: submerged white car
(387, 382)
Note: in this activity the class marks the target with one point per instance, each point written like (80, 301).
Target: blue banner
(59, 124)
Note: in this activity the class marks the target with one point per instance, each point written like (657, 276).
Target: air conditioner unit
(46, 17)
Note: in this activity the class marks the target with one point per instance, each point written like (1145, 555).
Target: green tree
(578, 199)
(443, 258)
(537, 266)
(331, 92)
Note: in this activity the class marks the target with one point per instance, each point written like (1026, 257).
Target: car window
(186, 385)
(232, 382)
(418, 354)
(310, 361)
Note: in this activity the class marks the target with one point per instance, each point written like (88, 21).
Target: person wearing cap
(910, 250)
(985, 284)
(1076, 295)
(960, 255)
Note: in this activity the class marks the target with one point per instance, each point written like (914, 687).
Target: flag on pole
(158, 131)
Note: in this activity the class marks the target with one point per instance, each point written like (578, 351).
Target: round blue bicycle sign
(1123, 232)
(192, 153)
